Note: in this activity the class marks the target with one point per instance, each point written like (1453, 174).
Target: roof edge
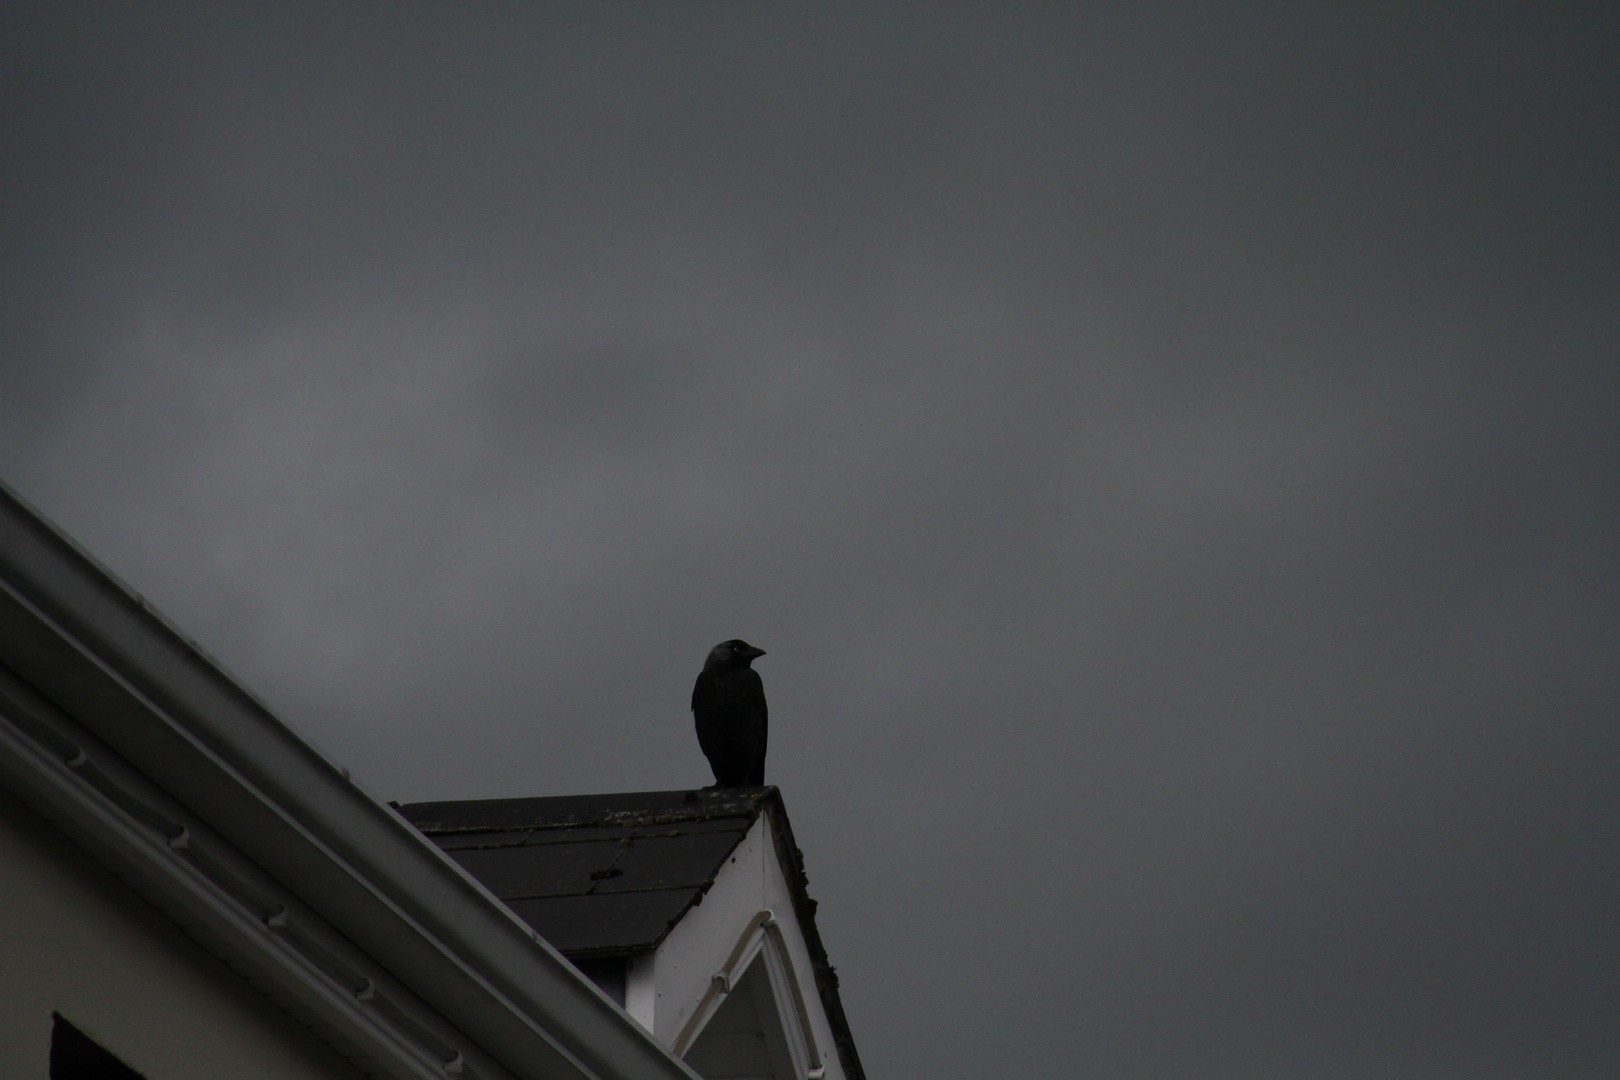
(804, 908)
(612, 810)
(98, 652)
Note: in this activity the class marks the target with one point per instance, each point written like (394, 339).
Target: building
(191, 890)
(688, 908)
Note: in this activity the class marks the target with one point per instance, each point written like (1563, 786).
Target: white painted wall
(76, 940)
(665, 987)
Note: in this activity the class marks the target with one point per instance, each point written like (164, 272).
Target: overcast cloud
(1169, 453)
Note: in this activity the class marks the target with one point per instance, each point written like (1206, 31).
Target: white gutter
(137, 742)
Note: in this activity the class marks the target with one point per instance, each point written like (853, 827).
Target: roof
(595, 875)
(130, 739)
(610, 875)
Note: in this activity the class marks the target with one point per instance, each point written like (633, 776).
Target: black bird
(728, 704)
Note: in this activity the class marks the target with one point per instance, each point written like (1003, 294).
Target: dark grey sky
(1170, 455)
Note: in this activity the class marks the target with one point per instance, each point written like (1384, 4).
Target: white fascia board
(222, 899)
(748, 910)
(169, 717)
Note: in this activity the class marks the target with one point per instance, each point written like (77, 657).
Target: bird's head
(733, 653)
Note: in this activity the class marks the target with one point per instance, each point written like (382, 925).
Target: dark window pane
(75, 1057)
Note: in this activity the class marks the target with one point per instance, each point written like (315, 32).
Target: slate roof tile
(595, 875)
(670, 862)
(519, 871)
(605, 924)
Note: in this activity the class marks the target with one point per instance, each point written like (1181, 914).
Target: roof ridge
(644, 808)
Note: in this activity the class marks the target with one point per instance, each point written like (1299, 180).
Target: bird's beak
(755, 653)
